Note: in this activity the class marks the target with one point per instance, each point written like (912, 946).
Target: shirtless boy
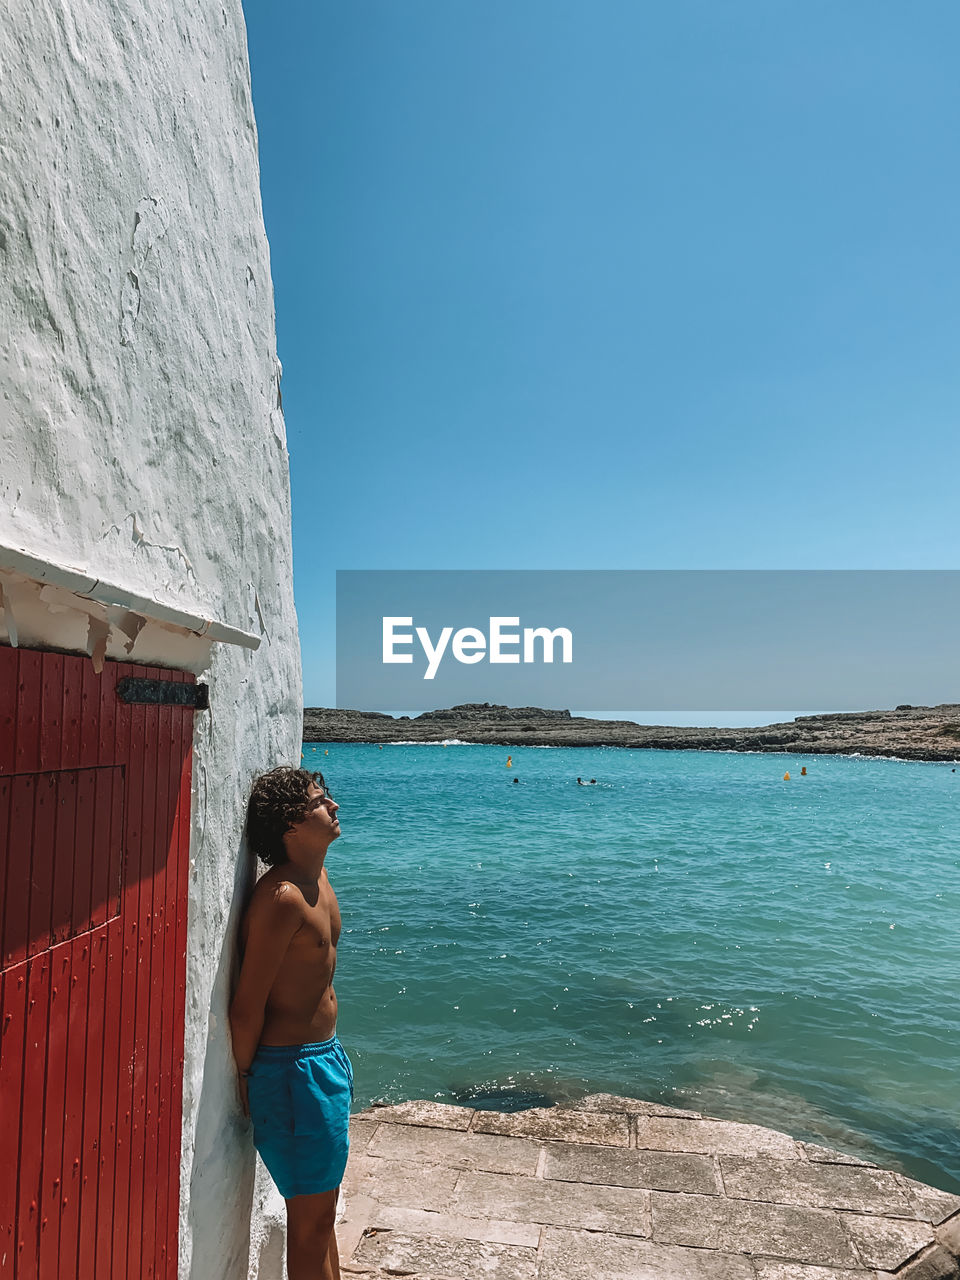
(296, 1082)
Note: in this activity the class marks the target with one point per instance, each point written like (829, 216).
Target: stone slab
(573, 1162)
(393, 1182)
(435, 1115)
(361, 1131)
(713, 1137)
(948, 1233)
(633, 1106)
(557, 1124)
(887, 1242)
(827, 1155)
(929, 1203)
(821, 1186)
(457, 1150)
(772, 1230)
(446, 1258)
(678, 1171)
(590, 1255)
(423, 1222)
(517, 1199)
(356, 1218)
(655, 1170)
(802, 1271)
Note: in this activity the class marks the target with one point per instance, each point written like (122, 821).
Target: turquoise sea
(692, 928)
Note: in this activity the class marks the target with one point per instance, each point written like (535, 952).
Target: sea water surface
(692, 929)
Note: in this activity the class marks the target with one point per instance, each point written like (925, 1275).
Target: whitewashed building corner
(144, 477)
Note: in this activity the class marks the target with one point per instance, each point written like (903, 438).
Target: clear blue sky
(617, 284)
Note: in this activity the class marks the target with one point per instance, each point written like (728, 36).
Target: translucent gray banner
(817, 640)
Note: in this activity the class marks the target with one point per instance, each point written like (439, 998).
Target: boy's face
(321, 816)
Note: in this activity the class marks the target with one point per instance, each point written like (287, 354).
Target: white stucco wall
(141, 439)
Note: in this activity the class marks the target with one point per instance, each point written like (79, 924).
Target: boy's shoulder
(276, 899)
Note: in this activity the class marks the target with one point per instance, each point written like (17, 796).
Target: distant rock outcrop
(911, 733)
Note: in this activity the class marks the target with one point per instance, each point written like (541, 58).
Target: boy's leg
(333, 1258)
(311, 1242)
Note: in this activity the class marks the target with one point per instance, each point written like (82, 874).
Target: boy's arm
(274, 919)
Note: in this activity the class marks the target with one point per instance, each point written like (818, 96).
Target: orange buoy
(786, 776)
(509, 762)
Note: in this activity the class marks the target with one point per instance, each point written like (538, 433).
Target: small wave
(432, 742)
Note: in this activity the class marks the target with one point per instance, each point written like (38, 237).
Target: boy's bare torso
(301, 1007)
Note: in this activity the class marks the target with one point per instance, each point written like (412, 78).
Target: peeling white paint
(142, 441)
(50, 617)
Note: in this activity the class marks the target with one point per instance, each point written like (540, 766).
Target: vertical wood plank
(89, 714)
(109, 1097)
(184, 763)
(16, 908)
(154, 1179)
(6, 871)
(115, 860)
(101, 852)
(131, 726)
(90, 1180)
(73, 1119)
(107, 725)
(115, 1153)
(9, 692)
(65, 843)
(139, 1189)
(29, 692)
(41, 863)
(84, 849)
(51, 710)
(55, 1104)
(122, 726)
(95, 1251)
(73, 669)
(13, 1022)
(31, 1116)
(163, 980)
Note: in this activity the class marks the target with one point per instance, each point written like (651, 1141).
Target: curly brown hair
(277, 802)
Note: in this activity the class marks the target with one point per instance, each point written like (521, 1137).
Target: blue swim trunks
(300, 1097)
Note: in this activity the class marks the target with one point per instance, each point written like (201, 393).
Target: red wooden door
(94, 856)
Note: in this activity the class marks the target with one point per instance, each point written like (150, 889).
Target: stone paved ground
(619, 1189)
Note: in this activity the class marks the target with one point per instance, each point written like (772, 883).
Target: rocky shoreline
(908, 733)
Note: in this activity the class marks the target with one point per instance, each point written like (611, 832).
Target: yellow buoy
(786, 777)
(326, 753)
(509, 762)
